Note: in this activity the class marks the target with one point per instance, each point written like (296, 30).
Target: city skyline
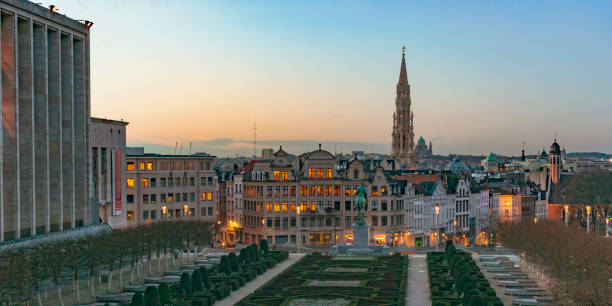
(326, 74)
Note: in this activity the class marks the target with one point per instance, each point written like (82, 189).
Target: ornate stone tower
(403, 134)
(555, 162)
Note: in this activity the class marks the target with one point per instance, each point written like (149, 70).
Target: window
(328, 190)
(303, 191)
(153, 198)
(285, 190)
(319, 172)
(347, 191)
(311, 172)
(285, 175)
(383, 190)
(269, 190)
(285, 222)
(276, 206)
(311, 190)
(293, 191)
(130, 215)
(145, 183)
(153, 182)
(170, 182)
(269, 206)
(374, 191)
(162, 182)
(130, 198)
(192, 197)
(145, 215)
(374, 205)
(202, 181)
(347, 221)
(320, 190)
(153, 214)
(145, 199)
(163, 198)
(328, 173)
(209, 196)
(312, 206)
(150, 166)
(192, 181)
(355, 173)
(383, 220)
(210, 211)
(130, 182)
(292, 206)
(177, 181)
(337, 190)
(383, 205)
(276, 175)
(131, 166)
(141, 166)
(375, 220)
(304, 206)
(347, 205)
(278, 189)
(337, 205)
(203, 211)
(170, 198)
(184, 197)
(292, 221)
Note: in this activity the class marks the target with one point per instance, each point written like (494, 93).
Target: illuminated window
(293, 190)
(320, 190)
(285, 206)
(374, 191)
(141, 166)
(203, 196)
(145, 183)
(328, 190)
(130, 215)
(277, 175)
(312, 206)
(209, 196)
(130, 182)
(150, 166)
(336, 190)
(328, 173)
(285, 175)
(303, 191)
(304, 206)
(347, 191)
(170, 197)
(383, 191)
(131, 166)
(292, 206)
(311, 172)
(312, 190)
(276, 206)
(285, 190)
(354, 190)
(269, 207)
(319, 172)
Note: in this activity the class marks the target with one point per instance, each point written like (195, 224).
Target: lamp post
(566, 209)
(588, 214)
(437, 213)
(607, 230)
(454, 230)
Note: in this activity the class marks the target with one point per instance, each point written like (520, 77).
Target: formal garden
(455, 279)
(577, 265)
(154, 264)
(337, 280)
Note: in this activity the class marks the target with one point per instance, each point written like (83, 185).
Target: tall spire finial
(403, 50)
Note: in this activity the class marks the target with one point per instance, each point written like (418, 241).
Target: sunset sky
(485, 75)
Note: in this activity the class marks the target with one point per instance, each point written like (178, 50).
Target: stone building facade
(108, 165)
(45, 122)
(169, 187)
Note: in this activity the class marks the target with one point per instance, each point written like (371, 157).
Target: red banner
(118, 183)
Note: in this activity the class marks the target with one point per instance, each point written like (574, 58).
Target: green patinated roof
(421, 140)
(491, 158)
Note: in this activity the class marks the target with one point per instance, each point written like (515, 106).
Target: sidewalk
(417, 292)
(250, 287)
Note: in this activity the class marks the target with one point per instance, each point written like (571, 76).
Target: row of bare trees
(578, 264)
(26, 274)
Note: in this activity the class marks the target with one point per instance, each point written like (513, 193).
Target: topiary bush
(264, 248)
(475, 300)
(137, 300)
(186, 283)
(234, 263)
(151, 296)
(244, 257)
(204, 276)
(224, 265)
(196, 281)
(164, 294)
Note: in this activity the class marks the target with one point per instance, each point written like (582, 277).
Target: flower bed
(455, 279)
(328, 280)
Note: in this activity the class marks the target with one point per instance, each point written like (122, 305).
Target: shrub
(204, 276)
(224, 265)
(151, 296)
(137, 300)
(255, 252)
(264, 249)
(234, 264)
(186, 283)
(475, 300)
(196, 281)
(244, 257)
(164, 294)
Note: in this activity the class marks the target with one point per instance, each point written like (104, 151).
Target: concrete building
(45, 122)
(108, 166)
(169, 187)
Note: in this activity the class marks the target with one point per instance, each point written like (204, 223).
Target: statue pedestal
(361, 235)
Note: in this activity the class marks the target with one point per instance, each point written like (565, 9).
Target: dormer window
(356, 173)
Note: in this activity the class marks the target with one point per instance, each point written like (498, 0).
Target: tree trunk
(92, 287)
(110, 279)
(59, 294)
(76, 289)
(38, 298)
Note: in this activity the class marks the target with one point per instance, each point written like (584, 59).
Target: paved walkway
(249, 287)
(418, 281)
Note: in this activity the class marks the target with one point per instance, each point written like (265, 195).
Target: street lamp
(297, 236)
(535, 220)
(588, 214)
(437, 207)
(566, 209)
(454, 230)
(607, 230)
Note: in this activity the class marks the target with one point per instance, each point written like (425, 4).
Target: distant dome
(421, 140)
(492, 158)
(555, 148)
(457, 165)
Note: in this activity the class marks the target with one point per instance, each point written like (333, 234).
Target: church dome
(421, 141)
(492, 158)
